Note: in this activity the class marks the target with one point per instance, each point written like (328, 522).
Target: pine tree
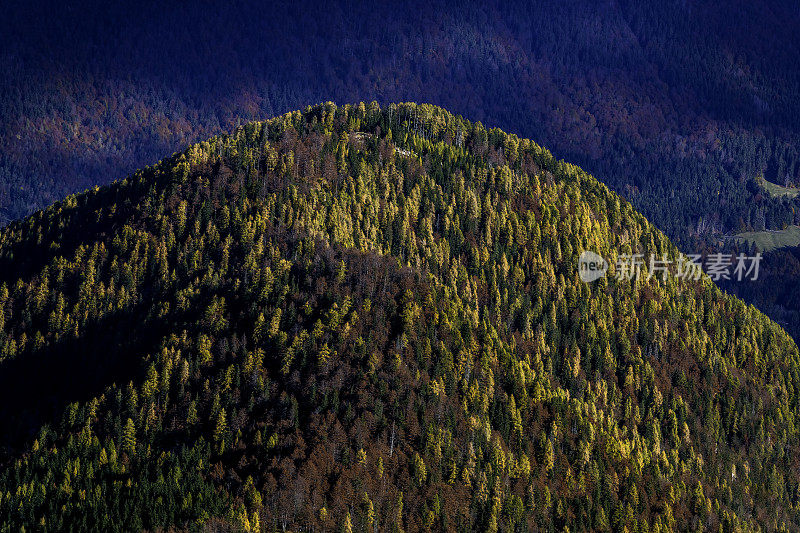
(220, 427)
(347, 525)
(129, 437)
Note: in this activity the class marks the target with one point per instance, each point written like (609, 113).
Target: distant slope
(363, 318)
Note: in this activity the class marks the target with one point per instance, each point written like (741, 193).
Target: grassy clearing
(771, 239)
(777, 190)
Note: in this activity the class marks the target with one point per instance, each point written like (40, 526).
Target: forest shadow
(36, 387)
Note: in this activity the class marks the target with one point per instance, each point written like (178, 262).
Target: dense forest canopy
(369, 318)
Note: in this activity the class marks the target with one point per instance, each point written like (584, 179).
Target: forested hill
(369, 319)
(680, 106)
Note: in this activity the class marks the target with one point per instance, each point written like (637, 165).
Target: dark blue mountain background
(679, 106)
